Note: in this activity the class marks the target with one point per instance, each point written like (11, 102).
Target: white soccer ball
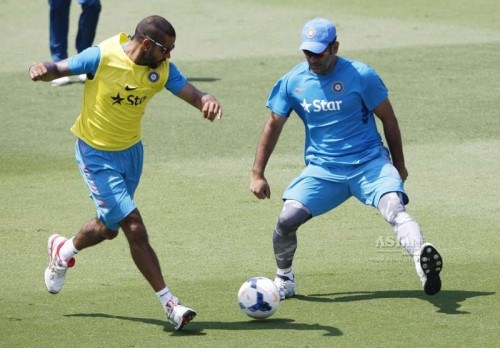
(259, 297)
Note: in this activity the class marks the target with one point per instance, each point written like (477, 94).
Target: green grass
(439, 60)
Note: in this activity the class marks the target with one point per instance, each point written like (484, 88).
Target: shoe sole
(432, 264)
(186, 318)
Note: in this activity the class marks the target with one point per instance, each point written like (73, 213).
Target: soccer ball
(259, 297)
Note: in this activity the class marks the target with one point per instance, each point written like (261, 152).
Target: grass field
(439, 60)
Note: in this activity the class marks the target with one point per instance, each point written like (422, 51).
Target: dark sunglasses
(164, 50)
(310, 54)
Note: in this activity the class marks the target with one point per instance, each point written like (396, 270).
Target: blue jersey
(87, 61)
(336, 109)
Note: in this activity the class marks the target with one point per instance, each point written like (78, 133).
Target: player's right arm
(85, 62)
(48, 71)
(265, 147)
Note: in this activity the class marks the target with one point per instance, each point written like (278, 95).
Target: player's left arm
(206, 103)
(385, 113)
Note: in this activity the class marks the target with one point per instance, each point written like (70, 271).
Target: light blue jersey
(344, 152)
(337, 110)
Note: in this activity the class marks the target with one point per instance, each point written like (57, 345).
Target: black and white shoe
(431, 264)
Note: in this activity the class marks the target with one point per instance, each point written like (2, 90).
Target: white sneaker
(62, 81)
(429, 265)
(55, 273)
(177, 314)
(82, 77)
(286, 285)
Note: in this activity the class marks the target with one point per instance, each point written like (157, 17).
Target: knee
(110, 234)
(134, 229)
(136, 235)
(391, 207)
(98, 226)
(287, 222)
(292, 216)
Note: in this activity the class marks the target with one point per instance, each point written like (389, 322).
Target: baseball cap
(317, 34)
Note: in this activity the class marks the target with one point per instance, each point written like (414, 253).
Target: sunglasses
(310, 54)
(164, 50)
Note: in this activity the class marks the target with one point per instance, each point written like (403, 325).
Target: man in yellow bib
(122, 77)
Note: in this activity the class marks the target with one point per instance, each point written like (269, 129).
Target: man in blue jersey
(337, 99)
(123, 76)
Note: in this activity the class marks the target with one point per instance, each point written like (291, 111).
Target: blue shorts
(322, 188)
(112, 178)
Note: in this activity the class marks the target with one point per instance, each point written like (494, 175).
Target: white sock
(164, 295)
(408, 234)
(68, 250)
(287, 272)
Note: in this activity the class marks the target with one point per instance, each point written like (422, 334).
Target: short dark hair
(155, 27)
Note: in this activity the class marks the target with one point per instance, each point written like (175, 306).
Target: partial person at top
(59, 21)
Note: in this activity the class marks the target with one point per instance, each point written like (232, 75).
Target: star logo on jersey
(305, 105)
(118, 99)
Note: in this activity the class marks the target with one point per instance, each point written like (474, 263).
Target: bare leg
(92, 233)
(142, 253)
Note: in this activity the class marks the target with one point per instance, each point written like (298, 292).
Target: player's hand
(260, 188)
(38, 71)
(211, 109)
